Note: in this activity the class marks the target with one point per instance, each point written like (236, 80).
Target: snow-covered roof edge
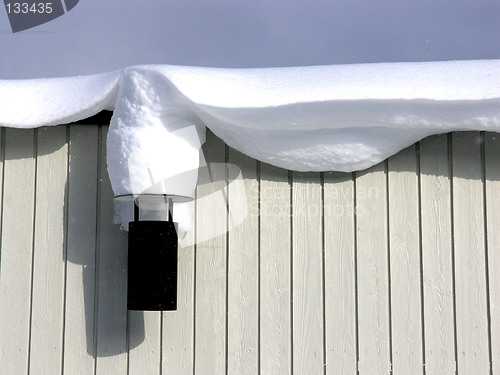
(345, 117)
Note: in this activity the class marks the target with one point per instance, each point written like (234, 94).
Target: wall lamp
(152, 256)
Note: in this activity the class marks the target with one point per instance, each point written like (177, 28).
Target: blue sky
(99, 36)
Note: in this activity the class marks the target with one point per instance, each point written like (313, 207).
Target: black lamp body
(152, 265)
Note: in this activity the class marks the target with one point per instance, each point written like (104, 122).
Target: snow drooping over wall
(154, 138)
(340, 117)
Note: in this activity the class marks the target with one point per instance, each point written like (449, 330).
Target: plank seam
(290, 183)
(161, 344)
(32, 271)
(421, 255)
(486, 250)
(2, 156)
(97, 245)
(195, 251)
(388, 244)
(65, 247)
(226, 177)
(452, 218)
(127, 340)
(323, 279)
(259, 241)
(356, 296)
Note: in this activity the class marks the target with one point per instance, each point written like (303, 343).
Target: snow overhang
(320, 118)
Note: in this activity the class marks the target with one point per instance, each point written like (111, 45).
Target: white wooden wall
(390, 269)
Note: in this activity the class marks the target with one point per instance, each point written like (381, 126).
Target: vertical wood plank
(48, 265)
(307, 247)
(404, 245)
(373, 271)
(492, 158)
(340, 274)
(243, 266)
(145, 356)
(470, 272)
(2, 165)
(178, 326)
(275, 271)
(79, 331)
(17, 250)
(111, 279)
(437, 263)
(211, 263)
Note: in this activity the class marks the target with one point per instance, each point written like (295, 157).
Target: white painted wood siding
(389, 270)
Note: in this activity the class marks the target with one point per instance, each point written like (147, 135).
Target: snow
(319, 118)
(29, 103)
(154, 139)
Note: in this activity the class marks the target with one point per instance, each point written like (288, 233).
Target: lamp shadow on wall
(97, 248)
(78, 270)
(94, 256)
(108, 327)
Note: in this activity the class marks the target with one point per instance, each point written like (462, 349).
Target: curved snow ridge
(340, 117)
(270, 87)
(390, 113)
(53, 101)
(327, 90)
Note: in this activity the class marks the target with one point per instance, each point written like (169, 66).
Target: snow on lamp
(153, 153)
